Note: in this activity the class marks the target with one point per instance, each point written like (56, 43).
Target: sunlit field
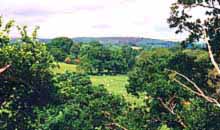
(115, 84)
(62, 67)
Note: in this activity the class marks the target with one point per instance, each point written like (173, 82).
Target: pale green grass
(114, 84)
(62, 67)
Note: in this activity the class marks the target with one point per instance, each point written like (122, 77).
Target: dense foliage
(33, 98)
(96, 58)
(82, 106)
(170, 103)
(27, 83)
(62, 48)
(181, 90)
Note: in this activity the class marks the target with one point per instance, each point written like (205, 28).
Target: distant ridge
(138, 41)
(134, 41)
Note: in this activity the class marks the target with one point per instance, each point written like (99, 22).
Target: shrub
(83, 106)
(27, 83)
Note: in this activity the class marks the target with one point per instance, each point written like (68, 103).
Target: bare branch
(4, 68)
(166, 106)
(190, 81)
(211, 55)
(170, 106)
(205, 6)
(186, 87)
(199, 92)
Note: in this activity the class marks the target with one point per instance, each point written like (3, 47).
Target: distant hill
(136, 41)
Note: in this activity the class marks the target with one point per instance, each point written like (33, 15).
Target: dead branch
(4, 68)
(170, 106)
(211, 55)
(204, 6)
(198, 91)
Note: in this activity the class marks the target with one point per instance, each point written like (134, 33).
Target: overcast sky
(74, 18)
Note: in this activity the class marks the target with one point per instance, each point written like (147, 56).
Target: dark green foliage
(135, 118)
(195, 65)
(63, 43)
(148, 69)
(96, 58)
(33, 98)
(27, 83)
(58, 54)
(61, 47)
(129, 54)
(83, 106)
(75, 50)
(150, 75)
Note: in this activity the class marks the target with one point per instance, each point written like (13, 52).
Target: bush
(27, 83)
(83, 106)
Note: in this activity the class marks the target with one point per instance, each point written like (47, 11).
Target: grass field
(65, 67)
(114, 84)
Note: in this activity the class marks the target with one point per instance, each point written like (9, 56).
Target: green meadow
(115, 84)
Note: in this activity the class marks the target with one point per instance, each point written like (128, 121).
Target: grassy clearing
(65, 67)
(114, 84)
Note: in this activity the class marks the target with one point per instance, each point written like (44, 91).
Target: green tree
(27, 83)
(99, 59)
(129, 55)
(75, 49)
(206, 29)
(117, 63)
(168, 102)
(60, 47)
(58, 54)
(93, 57)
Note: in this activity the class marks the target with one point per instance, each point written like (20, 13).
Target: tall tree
(60, 47)
(205, 27)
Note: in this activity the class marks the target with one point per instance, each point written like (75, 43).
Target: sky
(92, 18)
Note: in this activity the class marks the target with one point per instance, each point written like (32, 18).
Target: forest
(68, 85)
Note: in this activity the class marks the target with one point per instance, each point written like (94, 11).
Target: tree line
(94, 57)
